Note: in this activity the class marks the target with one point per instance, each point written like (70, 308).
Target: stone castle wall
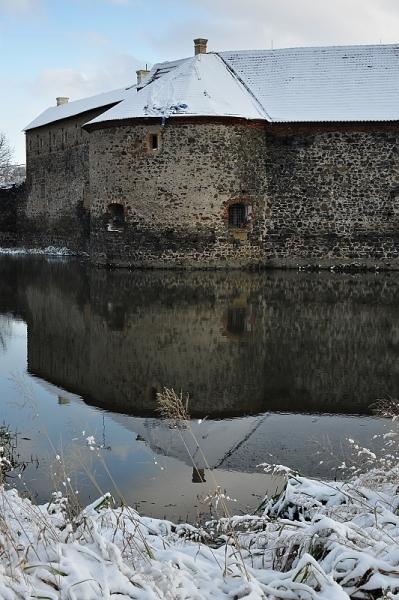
(334, 196)
(175, 198)
(313, 195)
(318, 196)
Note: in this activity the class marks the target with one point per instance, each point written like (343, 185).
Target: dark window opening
(116, 221)
(237, 215)
(154, 139)
(116, 316)
(198, 475)
(236, 320)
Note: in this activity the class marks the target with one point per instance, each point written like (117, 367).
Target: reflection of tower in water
(118, 338)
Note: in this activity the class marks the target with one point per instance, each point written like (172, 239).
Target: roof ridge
(246, 87)
(326, 47)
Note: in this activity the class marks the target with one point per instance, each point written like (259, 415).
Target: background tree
(5, 157)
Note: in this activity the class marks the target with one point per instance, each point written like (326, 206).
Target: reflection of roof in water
(242, 443)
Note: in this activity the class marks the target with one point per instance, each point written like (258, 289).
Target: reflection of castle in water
(237, 342)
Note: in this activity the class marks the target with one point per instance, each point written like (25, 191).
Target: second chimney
(200, 46)
(141, 74)
(62, 100)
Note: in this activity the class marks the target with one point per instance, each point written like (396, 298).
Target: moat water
(280, 367)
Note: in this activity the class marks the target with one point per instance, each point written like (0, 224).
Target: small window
(238, 215)
(236, 320)
(154, 141)
(116, 213)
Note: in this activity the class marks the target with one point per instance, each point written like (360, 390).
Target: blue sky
(76, 48)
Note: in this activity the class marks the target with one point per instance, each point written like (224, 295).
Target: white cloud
(117, 71)
(238, 24)
(18, 6)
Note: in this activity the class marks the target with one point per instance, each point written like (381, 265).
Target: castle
(268, 158)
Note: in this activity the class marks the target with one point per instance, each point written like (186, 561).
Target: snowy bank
(48, 251)
(326, 541)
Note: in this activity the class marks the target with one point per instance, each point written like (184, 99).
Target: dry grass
(175, 408)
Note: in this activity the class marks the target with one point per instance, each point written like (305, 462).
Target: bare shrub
(5, 157)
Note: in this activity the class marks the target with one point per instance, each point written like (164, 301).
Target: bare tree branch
(5, 157)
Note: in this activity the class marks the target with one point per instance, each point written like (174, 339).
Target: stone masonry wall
(314, 194)
(333, 196)
(319, 195)
(12, 205)
(175, 198)
(58, 202)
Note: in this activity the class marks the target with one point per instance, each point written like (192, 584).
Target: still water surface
(283, 365)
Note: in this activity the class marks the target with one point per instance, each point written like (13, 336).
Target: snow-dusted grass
(315, 541)
(325, 541)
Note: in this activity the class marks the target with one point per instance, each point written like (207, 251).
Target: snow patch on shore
(48, 251)
(316, 541)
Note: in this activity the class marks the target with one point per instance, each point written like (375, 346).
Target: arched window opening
(239, 215)
(116, 214)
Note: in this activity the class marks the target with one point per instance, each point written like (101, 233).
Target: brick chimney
(62, 100)
(141, 74)
(200, 46)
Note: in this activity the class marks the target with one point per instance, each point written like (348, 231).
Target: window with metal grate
(237, 215)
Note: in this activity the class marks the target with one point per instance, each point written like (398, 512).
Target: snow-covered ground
(317, 540)
(48, 251)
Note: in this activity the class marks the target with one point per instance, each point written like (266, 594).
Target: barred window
(237, 215)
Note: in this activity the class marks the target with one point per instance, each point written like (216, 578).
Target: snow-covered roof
(201, 85)
(161, 69)
(71, 109)
(332, 83)
(335, 83)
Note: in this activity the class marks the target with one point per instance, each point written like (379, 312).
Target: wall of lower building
(58, 186)
(12, 205)
(176, 198)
